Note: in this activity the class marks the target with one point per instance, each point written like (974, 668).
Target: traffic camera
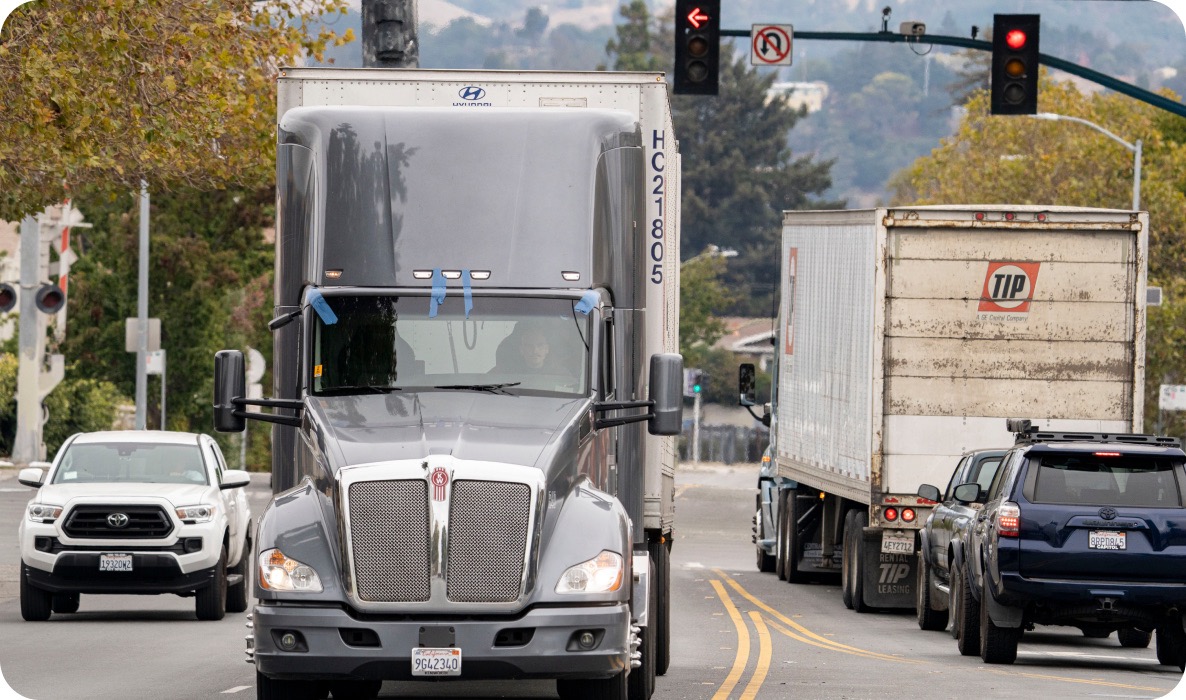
(1014, 86)
(697, 47)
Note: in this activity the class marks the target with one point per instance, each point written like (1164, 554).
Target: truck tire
(641, 680)
(858, 562)
(272, 689)
(1132, 638)
(210, 602)
(794, 541)
(928, 617)
(355, 690)
(236, 595)
(780, 537)
(590, 689)
(998, 645)
(1171, 645)
(663, 612)
(765, 561)
(846, 555)
(66, 602)
(965, 614)
(36, 604)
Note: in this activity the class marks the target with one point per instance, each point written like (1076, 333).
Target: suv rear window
(1105, 479)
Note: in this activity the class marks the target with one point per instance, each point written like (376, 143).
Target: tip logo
(1009, 287)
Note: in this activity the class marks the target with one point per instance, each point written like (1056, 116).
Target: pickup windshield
(152, 463)
(513, 346)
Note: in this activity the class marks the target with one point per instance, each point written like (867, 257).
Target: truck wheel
(66, 602)
(846, 556)
(780, 537)
(794, 541)
(210, 602)
(765, 561)
(1171, 644)
(928, 617)
(998, 645)
(663, 616)
(965, 614)
(355, 690)
(591, 689)
(858, 562)
(1132, 638)
(36, 604)
(642, 679)
(236, 595)
(272, 689)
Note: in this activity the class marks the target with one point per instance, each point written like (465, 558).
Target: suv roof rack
(1028, 434)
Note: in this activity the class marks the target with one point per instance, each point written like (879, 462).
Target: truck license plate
(428, 661)
(897, 542)
(1106, 539)
(115, 562)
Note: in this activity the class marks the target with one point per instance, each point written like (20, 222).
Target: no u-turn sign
(771, 44)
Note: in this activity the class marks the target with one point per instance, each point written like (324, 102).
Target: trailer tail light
(1008, 520)
(890, 514)
(908, 515)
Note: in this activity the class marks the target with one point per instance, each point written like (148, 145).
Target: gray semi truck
(476, 383)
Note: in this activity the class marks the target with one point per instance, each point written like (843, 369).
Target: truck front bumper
(545, 638)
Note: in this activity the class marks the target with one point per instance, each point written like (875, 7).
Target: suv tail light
(1008, 520)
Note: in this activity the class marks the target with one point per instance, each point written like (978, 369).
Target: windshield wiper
(359, 389)
(492, 388)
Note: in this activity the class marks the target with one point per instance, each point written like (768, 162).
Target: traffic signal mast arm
(1107, 81)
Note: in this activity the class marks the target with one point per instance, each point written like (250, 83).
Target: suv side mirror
(234, 478)
(230, 383)
(746, 385)
(931, 493)
(666, 391)
(31, 476)
(967, 493)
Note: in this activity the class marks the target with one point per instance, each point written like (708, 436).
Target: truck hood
(468, 425)
(125, 492)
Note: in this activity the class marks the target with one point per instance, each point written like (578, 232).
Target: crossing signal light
(697, 47)
(1014, 85)
(50, 298)
(7, 298)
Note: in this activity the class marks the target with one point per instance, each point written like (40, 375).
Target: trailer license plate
(897, 542)
(428, 661)
(115, 562)
(1106, 539)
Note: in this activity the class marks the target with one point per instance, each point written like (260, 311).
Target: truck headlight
(601, 574)
(196, 514)
(43, 513)
(279, 573)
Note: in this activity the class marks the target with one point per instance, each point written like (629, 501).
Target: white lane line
(1078, 655)
(236, 689)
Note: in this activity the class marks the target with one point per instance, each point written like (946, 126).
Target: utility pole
(389, 35)
(142, 317)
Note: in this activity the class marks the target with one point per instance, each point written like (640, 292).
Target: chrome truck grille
(389, 535)
(488, 523)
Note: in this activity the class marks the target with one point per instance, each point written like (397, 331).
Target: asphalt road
(737, 634)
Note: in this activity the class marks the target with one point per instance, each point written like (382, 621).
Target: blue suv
(1079, 529)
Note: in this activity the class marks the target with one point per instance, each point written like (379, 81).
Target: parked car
(941, 534)
(1085, 530)
(136, 512)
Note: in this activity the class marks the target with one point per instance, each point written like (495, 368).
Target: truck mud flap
(888, 579)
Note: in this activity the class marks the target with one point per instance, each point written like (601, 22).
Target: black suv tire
(36, 604)
(998, 645)
(928, 618)
(1171, 645)
(965, 614)
(210, 602)
(1132, 638)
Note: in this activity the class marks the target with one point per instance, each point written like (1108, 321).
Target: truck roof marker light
(1009, 216)
(570, 276)
(422, 274)
(451, 274)
(1040, 216)
(480, 274)
(333, 274)
(980, 216)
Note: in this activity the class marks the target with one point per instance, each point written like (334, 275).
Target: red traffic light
(697, 18)
(1015, 39)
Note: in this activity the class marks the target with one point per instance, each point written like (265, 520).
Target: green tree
(702, 292)
(636, 46)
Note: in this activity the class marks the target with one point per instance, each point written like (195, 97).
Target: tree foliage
(102, 93)
(702, 292)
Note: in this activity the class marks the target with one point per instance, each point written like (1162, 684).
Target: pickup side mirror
(230, 383)
(666, 392)
(234, 478)
(967, 493)
(931, 493)
(31, 476)
(746, 385)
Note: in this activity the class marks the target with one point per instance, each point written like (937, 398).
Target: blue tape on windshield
(438, 292)
(321, 306)
(467, 292)
(587, 302)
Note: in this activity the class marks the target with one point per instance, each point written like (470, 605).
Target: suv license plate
(1106, 539)
(897, 541)
(115, 562)
(435, 661)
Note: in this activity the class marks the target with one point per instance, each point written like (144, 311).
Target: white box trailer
(908, 336)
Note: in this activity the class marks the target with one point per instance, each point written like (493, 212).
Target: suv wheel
(1171, 644)
(965, 614)
(928, 617)
(998, 645)
(36, 604)
(210, 602)
(1133, 638)
(272, 689)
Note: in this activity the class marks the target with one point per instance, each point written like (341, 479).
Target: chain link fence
(725, 443)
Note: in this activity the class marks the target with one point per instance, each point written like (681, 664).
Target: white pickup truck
(135, 512)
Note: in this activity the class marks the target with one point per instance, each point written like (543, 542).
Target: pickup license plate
(897, 542)
(1106, 539)
(432, 661)
(115, 562)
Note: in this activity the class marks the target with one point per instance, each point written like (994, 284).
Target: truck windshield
(379, 344)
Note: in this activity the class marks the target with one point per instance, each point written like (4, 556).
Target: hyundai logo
(1108, 513)
(472, 93)
(117, 520)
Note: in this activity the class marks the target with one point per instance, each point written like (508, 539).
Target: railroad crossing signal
(1014, 87)
(697, 47)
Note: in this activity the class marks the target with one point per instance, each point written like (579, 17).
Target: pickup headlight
(196, 514)
(279, 573)
(43, 513)
(601, 574)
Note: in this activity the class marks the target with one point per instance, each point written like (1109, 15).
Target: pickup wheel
(236, 594)
(965, 614)
(928, 617)
(846, 555)
(663, 611)
(857, 568)
(1132, 638)
(591, 689)
(998, 645)
(272, 689)
(793, 540)
(36, 604)
(1171, 644)
(210, 603)
(66, 602)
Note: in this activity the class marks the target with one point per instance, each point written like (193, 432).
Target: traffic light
(697, 47)
(1014, 87)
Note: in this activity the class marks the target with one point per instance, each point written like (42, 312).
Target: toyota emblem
(118, 520)
(1108, 513)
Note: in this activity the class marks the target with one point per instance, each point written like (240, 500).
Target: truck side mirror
(666, 391)
(230, 383)
(746, 385)
(967, 493)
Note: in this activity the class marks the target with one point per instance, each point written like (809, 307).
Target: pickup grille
(389, 537)
(488, 522)
(143, 522)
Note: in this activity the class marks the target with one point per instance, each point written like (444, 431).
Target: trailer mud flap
(888, 579)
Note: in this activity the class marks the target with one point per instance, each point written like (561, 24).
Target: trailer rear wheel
(846, 555)
(858, 562)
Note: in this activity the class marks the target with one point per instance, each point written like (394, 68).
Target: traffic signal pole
(26, 447)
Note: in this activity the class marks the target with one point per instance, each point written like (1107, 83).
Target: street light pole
(1135, 148)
